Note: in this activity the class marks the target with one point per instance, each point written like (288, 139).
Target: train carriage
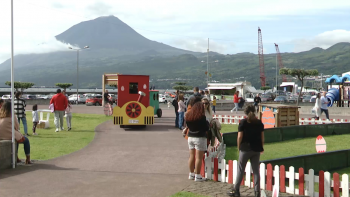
(133, 104)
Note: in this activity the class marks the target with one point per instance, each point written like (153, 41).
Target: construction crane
(280, 63)
(261, 59)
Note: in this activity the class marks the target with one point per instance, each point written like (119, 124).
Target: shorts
(198, 143)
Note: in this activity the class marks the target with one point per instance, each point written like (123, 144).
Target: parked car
(28, 96)
(293, 99)
(313, 99)
(307, 98)
(73, 98)
(4, 97)
(94, 100)
(281, 99)
(266, 97)
(43, 96)
(113, 97)
(163, 98)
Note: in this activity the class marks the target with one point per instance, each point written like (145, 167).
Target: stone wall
(5, 154)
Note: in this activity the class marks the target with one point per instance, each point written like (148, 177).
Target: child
(69, 117)
(35, 118)
(214, 103)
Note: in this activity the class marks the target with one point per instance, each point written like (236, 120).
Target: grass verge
(296, 147)
(48, 144)
(226, 128)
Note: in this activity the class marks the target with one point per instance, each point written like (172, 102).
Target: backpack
(175, 104)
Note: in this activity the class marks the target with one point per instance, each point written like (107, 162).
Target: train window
(154, 97)
(157, 96)
(133, 88)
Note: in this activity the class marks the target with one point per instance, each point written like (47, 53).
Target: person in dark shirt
(176, 106)
(197, 141)
(106, 97)
(257, 100)
(250, 142)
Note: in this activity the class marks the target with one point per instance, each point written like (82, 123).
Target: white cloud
(201, 45)
(323, 40)
(38, 21)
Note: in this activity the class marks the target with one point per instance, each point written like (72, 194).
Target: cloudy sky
(231, 25)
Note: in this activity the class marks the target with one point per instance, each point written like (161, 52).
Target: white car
(163, 98)
(73, 98)
(4, 97)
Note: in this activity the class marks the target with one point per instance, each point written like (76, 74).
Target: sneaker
(57, 130)
(69, 128)
(231, 111)
(191, 176)
(35, 134)
(62, 129)
(199, 179)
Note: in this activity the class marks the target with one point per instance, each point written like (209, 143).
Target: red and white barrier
(278, 175)
(225, 119)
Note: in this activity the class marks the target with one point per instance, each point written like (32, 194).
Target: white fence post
(310, 182)
(234, 171)
(327, 184)
(276, 174)
(223, 170)
(220, 119)
(291, 176)
(248, 173)
(208, 165)
(262, 176)
(345, 185)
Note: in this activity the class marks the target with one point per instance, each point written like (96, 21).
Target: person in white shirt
(68, 114)
(35, 118)
(181, 110)
(324, 105)
(318, 106)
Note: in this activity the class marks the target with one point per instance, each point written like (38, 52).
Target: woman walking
(250, 142)
(20, 112)
(197, 141)
(181, 110)
(318, 106)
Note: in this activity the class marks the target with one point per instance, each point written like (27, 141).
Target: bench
(5, 154)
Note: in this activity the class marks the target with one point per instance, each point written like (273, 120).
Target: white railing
(225, 119)
(270, 177)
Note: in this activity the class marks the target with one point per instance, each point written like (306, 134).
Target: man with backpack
(176, 106)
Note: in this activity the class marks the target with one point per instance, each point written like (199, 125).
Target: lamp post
(208, 68)
(77, 50)
(12, 95)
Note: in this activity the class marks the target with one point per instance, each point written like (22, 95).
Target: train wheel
(122, 126)
(159, 113)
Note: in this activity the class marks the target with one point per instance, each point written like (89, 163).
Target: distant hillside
(115, 47)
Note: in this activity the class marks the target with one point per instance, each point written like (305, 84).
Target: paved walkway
(131, 162)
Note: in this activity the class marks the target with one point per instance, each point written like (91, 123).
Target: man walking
(60, 104)
(324, 105)
(176, 106)
(257, 100)
(195, 94)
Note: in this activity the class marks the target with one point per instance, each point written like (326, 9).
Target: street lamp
(208, 77)
(77, 50)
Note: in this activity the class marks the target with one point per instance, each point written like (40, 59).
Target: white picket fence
(225, 119)
(270, 177)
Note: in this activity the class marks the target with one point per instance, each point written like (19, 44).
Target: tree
(64, 86)
(299, 74)
(265, 88)
(181, 86)
(306, 88)
(20, 85)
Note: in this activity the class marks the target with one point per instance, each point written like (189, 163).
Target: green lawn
(186, 194)
(295, 147)
(48, 144)
(226, 128)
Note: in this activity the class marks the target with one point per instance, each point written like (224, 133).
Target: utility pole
(276, 75)
(208, 64)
